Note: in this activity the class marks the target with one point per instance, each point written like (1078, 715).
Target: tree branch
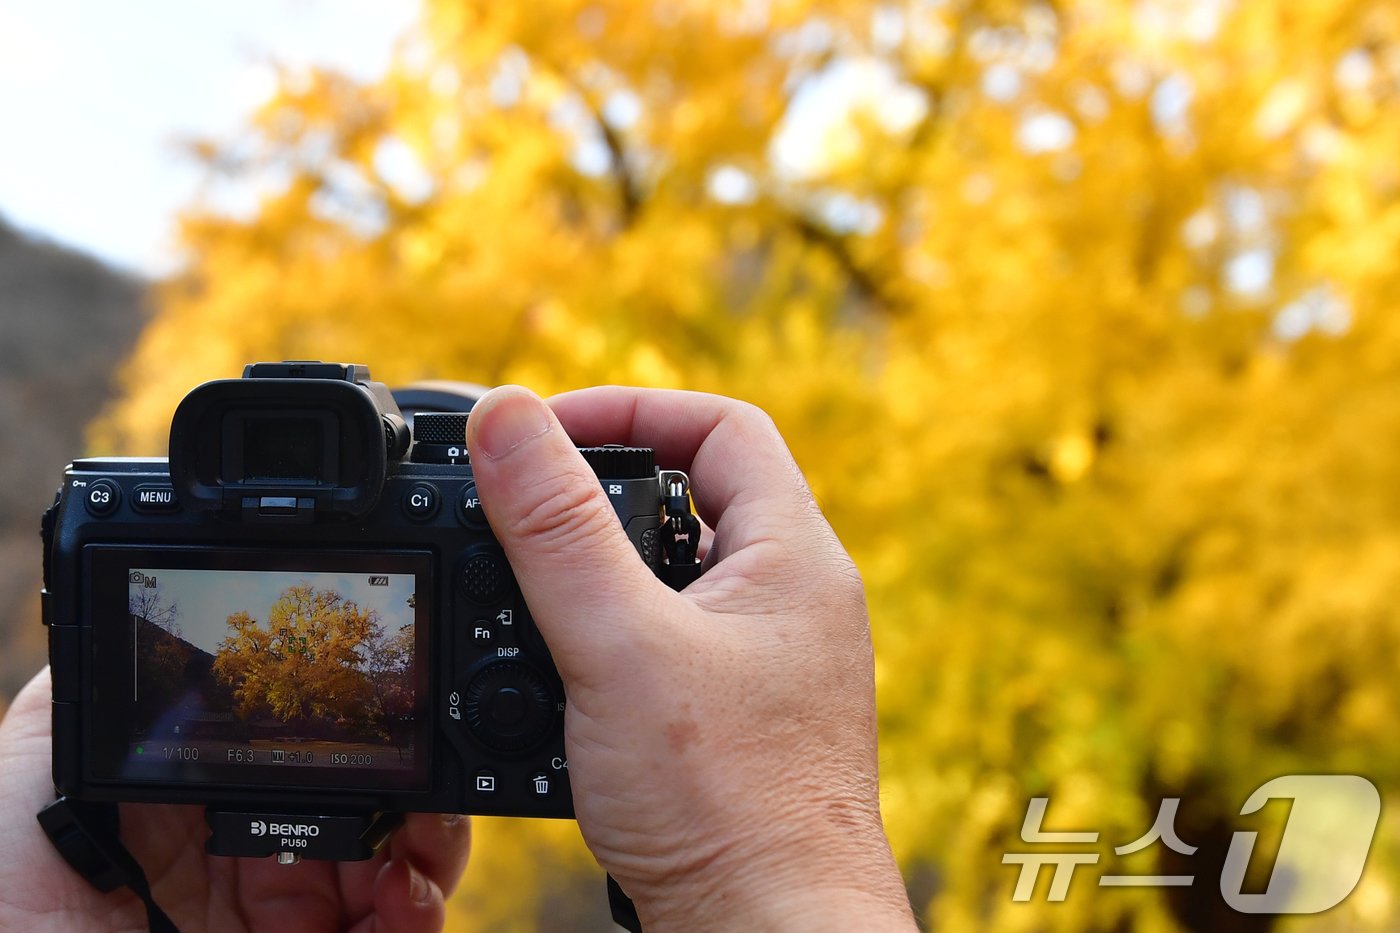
(869, 284)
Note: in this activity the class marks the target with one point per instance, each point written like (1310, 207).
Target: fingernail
(509, 422)
(417, 887)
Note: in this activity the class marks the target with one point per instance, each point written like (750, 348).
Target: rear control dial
(440, 437)
(508, 706)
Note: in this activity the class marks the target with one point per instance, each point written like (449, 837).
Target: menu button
(154, 498)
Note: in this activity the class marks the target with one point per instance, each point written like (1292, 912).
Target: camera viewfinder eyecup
(287, 442)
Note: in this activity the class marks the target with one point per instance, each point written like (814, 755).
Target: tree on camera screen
(273, 668)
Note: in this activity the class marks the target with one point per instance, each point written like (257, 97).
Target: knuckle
(753, 418)
(847, 575)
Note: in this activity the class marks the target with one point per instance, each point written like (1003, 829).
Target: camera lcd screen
(249, 670)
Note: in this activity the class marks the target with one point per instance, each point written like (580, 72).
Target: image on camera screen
(233, 668)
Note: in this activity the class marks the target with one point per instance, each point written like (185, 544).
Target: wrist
(834, 878)
(811, 909)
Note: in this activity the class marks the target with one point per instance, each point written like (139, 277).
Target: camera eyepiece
(290, 440)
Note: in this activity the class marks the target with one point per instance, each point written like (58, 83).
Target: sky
(206, 598)
(96, 97)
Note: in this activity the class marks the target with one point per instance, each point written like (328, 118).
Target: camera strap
(680, 532)
(88, 836)
(624, 912)
(680, 566)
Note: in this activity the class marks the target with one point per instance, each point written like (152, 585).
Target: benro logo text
(259, 828)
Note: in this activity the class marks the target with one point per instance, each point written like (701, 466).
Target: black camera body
(304, 622)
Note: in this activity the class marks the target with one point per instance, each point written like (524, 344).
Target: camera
(303, 622)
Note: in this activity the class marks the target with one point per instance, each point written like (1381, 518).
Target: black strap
(87, 835)
(680, 567)
(624, 912)
(680, 534)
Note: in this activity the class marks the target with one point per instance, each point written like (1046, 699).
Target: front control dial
(613, 461)
(508, 706)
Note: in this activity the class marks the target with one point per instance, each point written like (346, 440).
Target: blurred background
(1082, 317)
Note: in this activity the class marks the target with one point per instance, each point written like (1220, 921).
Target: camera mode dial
(508, 706)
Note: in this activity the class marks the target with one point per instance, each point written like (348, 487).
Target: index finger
(740, 468)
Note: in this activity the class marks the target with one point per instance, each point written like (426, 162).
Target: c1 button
(469, 509)
(102, 498)
(421, 502)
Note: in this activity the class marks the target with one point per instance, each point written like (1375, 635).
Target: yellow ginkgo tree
(1082, 316)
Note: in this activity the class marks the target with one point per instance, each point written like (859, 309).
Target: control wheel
(508, 706)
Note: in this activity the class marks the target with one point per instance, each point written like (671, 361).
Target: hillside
(66, 323)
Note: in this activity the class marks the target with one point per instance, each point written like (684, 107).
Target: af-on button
(154, 497)
(469, 509)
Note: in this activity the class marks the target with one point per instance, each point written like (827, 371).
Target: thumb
(582, 579)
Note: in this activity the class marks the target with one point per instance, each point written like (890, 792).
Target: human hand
(401, 889)
(721, 741)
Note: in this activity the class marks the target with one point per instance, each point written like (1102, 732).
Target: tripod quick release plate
(305, 836)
